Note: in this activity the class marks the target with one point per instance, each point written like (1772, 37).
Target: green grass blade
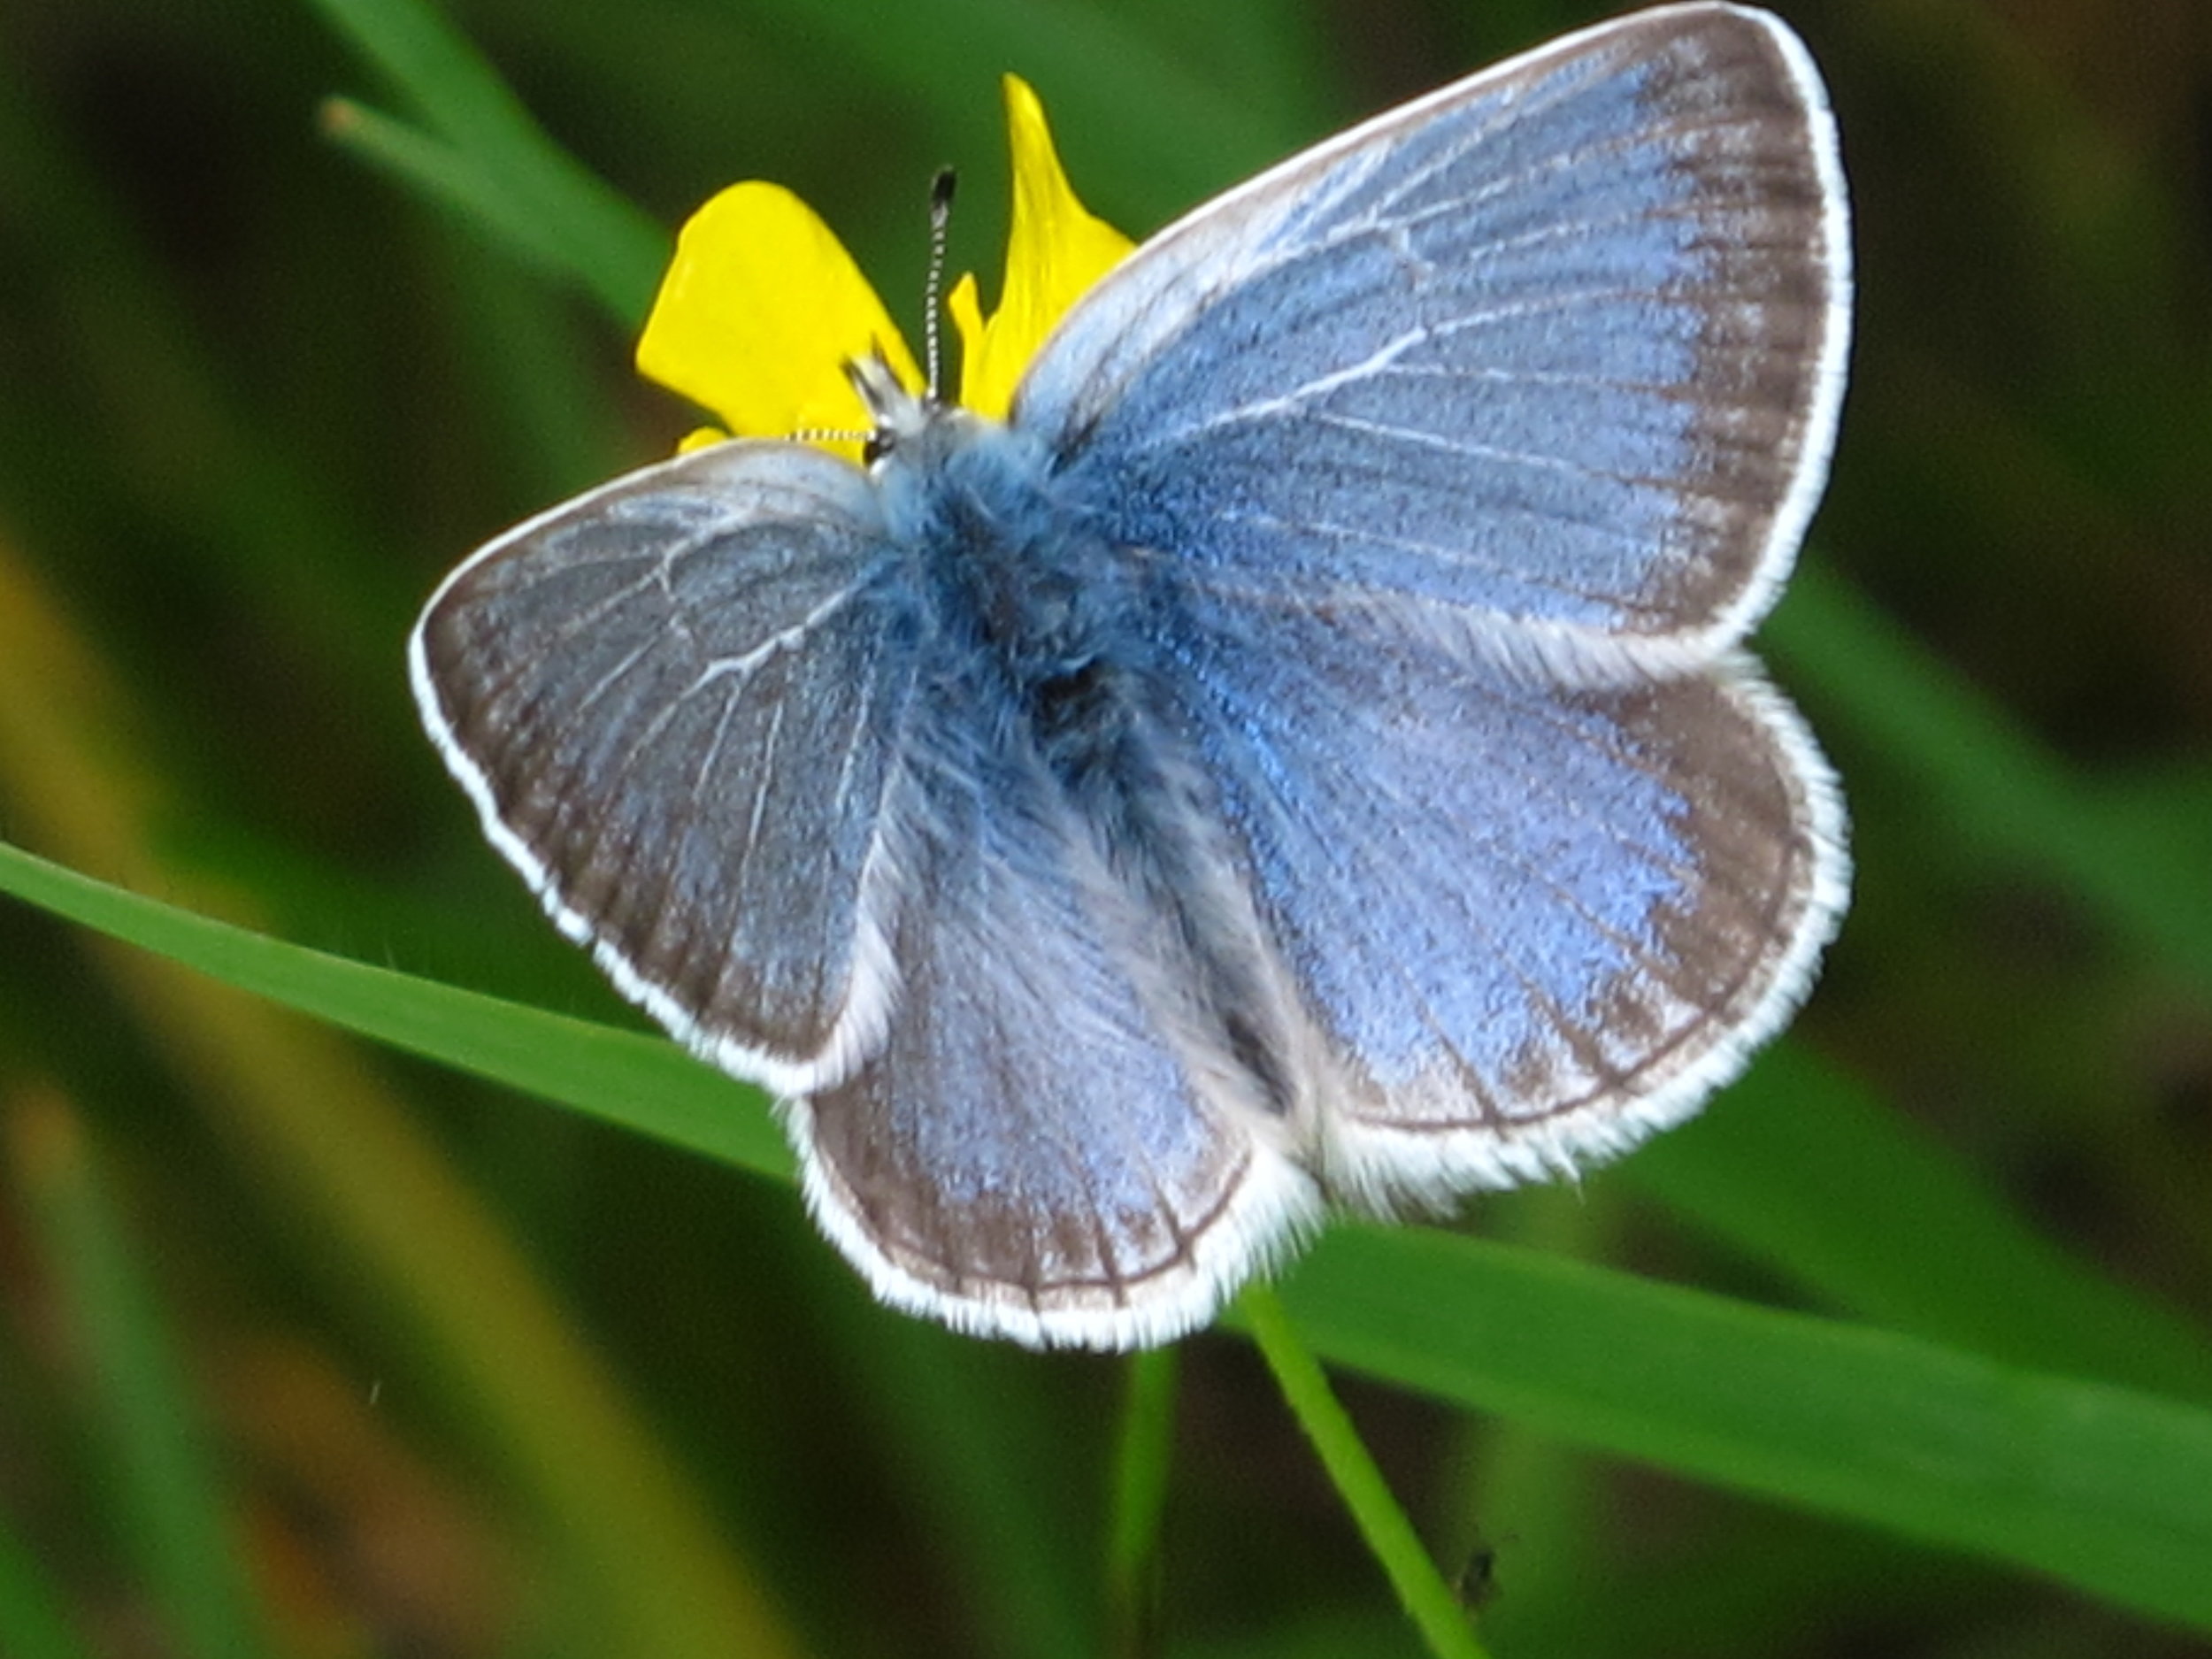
(1143, 1453)
(638, 1082)
(170, 1507)
(457, 180)
(2102, 1487)
(610, 246)
(1428, 1601)
(1798, 1165)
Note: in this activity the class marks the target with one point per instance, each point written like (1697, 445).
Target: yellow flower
(762, 307)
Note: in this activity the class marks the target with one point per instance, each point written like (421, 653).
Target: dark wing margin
(675, 702)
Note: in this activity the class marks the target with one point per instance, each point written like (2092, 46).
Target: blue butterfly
(1303, 755)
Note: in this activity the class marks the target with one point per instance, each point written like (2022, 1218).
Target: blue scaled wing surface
(1473, 441)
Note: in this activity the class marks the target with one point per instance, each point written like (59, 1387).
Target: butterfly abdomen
(1049, 631)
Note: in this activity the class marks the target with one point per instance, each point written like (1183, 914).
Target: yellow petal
(966, 310)
(1055, 251)
(758, 314)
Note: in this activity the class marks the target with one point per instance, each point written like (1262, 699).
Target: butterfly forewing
(677, 701)
(1546, 363)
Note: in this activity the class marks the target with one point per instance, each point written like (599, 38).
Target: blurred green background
(307, 1348)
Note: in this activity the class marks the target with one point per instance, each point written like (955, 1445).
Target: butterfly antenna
(940, 190)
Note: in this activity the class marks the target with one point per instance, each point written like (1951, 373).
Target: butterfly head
(897, 417)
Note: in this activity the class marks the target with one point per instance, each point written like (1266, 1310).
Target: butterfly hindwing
(1047, 1147)
(1533, 926)
(676, 701)
(1545, 364)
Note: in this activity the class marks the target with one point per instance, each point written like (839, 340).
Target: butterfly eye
(894, 413)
